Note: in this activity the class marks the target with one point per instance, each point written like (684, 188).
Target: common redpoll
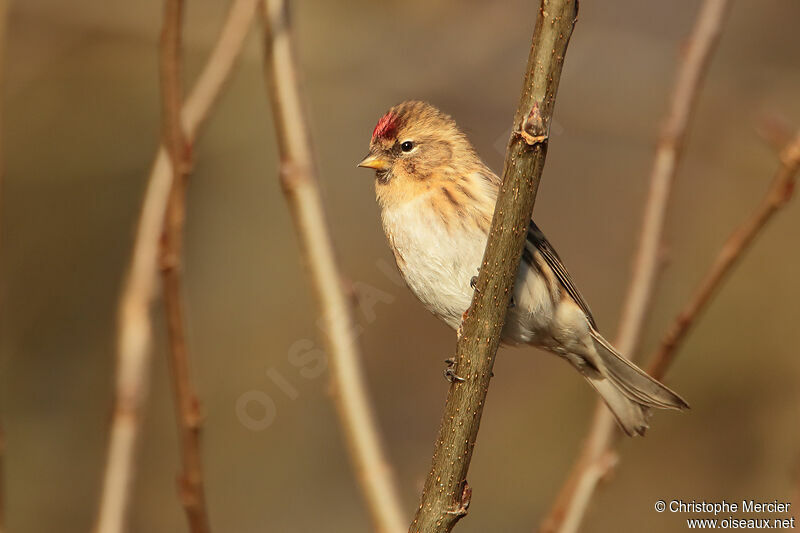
(437, 199)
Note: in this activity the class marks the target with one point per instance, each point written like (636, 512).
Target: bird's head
(415, 142)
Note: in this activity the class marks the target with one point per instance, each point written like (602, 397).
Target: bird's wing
(537, 239)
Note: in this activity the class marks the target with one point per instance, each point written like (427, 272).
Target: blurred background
(81, 126)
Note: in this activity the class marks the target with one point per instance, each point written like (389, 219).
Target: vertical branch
(573, 499)
(446, 495)
(134, 335)
(191, 487)
(299, 182)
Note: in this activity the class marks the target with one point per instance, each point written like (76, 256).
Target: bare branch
(692, 70)
(299, 181)
(446, 494)
(779, 193)
(191, 486)
(172, 91)
(134, 335)
(567, 512)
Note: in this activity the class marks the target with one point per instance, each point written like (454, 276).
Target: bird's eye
(407, 146)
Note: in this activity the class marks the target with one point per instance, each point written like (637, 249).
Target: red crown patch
(386, 127)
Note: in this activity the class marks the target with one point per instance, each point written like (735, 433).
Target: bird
(436, 200)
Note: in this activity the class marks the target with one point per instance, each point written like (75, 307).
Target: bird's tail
(627, 390)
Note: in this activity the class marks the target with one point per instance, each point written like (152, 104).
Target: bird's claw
(450, 373)
(473, 282)
(451, 376)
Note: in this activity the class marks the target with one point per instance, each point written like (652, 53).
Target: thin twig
(191, 485)
(299, 182)
(134, 335)
(446, 495)
(779, 193)
(691, 71)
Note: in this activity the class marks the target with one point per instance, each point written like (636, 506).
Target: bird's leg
(473, 282)
(450, 372)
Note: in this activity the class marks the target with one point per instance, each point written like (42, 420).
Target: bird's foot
(473, 282)
(450, 372)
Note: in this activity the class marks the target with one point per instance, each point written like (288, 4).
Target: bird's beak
(374, 161)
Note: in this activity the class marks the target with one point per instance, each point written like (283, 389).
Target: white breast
(437, 263)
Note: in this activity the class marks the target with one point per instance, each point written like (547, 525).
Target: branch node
(607, 464)
(775, 131)
(790, 154)
(463, 505)
(534, 130)
(293, 174)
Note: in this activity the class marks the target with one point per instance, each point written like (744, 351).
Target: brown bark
(445, 498)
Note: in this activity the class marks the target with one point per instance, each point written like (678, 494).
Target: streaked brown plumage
(437, 199)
